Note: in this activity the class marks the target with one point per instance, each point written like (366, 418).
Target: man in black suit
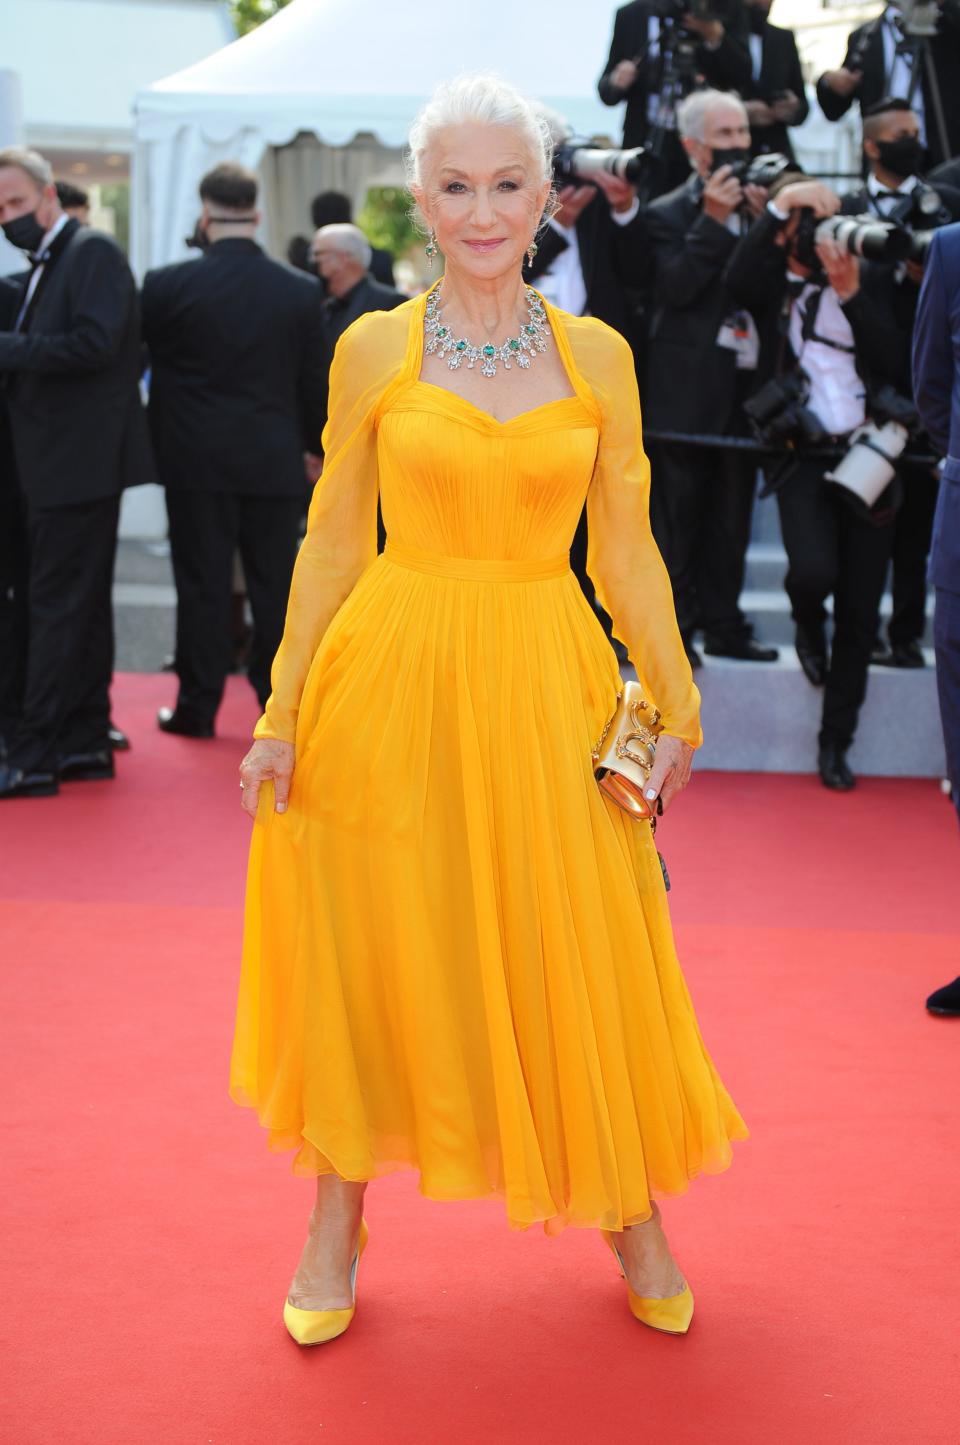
(644, 49)
(333, 208)
(775, 94)
(342, 255)
(70, 362)
(237, 397)
(593, 257)
(894, 157)
(878, 63)
(701, 363)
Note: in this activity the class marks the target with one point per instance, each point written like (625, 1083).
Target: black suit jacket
(780, 69)
(614, 259)
(726, 68)
(691, 383)
(72, 377)
(866, 46)
(367, 295)
(238, 385)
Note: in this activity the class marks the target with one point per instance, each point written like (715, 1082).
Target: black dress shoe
(26, 783)
(744, 649)
(171, 720)
(94, 767)
(833, 768)
(906, 654)
(946, 1000)
(812, 655)
(118, 740)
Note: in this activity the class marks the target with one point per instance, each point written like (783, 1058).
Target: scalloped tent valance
(351, 74)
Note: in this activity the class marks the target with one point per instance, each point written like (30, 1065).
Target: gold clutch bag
(624, 755)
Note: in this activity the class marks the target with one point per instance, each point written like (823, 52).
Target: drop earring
(532, 250)
(431, 249)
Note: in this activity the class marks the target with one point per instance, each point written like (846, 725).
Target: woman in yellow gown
(458, 956)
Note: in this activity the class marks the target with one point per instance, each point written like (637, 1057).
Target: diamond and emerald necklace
(459, 351)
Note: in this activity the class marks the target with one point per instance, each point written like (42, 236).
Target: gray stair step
(765, 718)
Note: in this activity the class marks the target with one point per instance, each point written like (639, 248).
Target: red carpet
(150, 1237)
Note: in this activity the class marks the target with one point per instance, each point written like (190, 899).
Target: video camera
(574, 162)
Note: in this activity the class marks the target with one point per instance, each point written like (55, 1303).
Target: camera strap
(808, 322)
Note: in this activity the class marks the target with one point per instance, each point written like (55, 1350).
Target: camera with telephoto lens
(864, 236)
(778, 412)
(921, 214)
(573, 162)
(868, 467)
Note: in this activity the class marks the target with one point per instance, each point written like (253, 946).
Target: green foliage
(248, 14)
(117, 198)
(385, 222)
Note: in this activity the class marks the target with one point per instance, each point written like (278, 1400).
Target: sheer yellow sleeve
(622, 557)
(341, 540)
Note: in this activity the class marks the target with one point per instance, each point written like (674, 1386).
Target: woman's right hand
(268, 759)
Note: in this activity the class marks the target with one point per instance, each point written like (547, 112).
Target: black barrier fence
(750, 444)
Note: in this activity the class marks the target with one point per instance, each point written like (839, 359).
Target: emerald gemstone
(514, 344)
(461, 346)
(441, 331)
(530, 330)
(489, 350)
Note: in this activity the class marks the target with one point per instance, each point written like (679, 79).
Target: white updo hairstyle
(485, 99)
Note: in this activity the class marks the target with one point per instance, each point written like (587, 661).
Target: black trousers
(833, 551)
(14, 584)
(946, 638)
(59, 694)
(206, 529)
(701, 508)
(912, 531)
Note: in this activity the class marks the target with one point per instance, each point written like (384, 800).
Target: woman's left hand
(671, 771)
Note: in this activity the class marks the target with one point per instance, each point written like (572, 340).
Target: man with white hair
(701, 364)
(69, 366)
(342, 255)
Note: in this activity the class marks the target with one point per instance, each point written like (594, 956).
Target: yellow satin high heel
(315, 1327)
(671, 1315)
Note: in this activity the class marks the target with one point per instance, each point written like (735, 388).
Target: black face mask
(736, 156)
(25, 232)
(902, 157)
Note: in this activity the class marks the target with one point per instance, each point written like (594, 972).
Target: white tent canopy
(323, 95)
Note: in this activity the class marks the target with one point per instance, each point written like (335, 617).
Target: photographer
(894, 191)
(834, 347)
(661, 50)
(892, 55)
(594, 250)
(702, 358)
(775, 95)
(592, 258)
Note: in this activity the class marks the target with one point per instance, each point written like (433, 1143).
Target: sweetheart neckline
(488, 416)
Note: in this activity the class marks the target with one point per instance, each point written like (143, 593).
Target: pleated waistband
(481, 569)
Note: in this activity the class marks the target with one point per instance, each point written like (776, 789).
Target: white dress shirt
(563, 284)
(837, 392)
(39, 267)
(883, 199)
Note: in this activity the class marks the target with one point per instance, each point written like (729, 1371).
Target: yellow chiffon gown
(458, 956)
